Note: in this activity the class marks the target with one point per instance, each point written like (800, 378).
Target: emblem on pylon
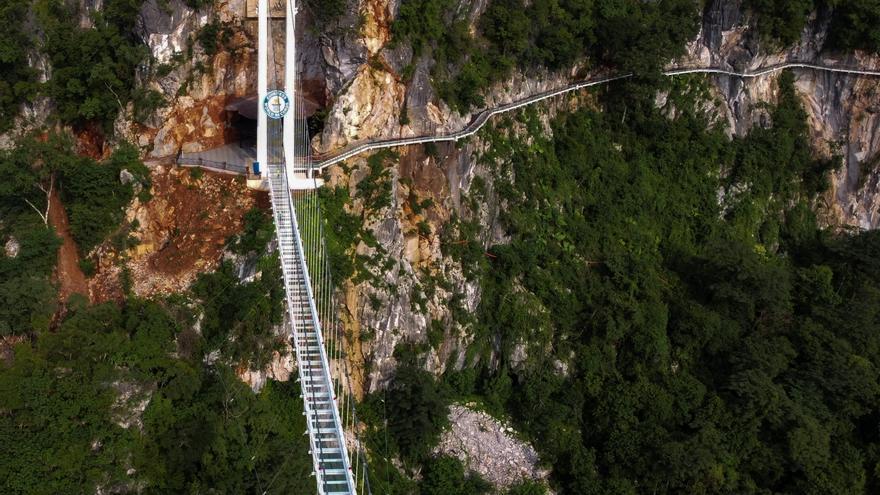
(276, 104)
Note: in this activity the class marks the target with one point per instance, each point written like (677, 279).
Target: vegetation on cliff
(140, 395)
(695, 343)
(17, 77)
(687, 326)
(93, 69)
(628, 35)
(854, 24)
(143, 395)
(94, 198)
(93, 193)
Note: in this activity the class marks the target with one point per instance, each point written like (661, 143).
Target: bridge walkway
(327, 439)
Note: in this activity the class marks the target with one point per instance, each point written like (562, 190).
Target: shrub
(445, 475)
(94, 196)
(417, 412)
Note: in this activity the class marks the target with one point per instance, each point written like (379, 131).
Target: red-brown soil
(182, 232)
(68, 275)
(90, 141)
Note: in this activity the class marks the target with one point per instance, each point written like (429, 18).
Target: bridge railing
(324, 160)
(235, 168)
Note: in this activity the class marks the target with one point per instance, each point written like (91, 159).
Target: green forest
(126, 397)
(689, 326)
(627, 35)
(711, 344)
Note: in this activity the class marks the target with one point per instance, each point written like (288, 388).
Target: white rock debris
(12, 247)
(488, 447)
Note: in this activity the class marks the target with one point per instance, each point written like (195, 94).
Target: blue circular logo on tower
(276, 104)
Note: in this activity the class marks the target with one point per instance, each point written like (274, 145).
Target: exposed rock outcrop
(279, 368)
(12, 247)
(490, 448)
(196, 86)
(375, 90)
(843, 110)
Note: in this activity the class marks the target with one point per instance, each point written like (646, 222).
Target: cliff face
(420, 295)
(843, 110)
(195, 85)
(355, 70)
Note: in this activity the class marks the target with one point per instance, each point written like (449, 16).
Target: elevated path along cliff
(322, 161)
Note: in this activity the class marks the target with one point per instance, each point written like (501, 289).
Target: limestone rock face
(842, 109)
(279, 369)
(374, 101)
(370, 107)
(196, 87)
(370, 99)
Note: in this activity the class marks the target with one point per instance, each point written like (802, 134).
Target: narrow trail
(71, 279)
(321, 161)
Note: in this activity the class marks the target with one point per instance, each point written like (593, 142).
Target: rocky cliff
(844, 112)
(372, 88)
(196, 85)
(416, 291)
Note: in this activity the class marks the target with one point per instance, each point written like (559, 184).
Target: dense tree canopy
(855, 24)
(17, 77)
(627, 35)
(93, 69)
(70, 421)
(27, 299)
(689, 328)
(94, 194)
(621, 34)
(711, 346)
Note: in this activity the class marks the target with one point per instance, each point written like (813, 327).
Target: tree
(854, 25)
(444, 475)
(17, 77)
(93, 69)
(417, 412)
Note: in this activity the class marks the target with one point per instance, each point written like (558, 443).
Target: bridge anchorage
(338, 461)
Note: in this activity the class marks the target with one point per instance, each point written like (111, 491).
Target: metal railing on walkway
(322, 161)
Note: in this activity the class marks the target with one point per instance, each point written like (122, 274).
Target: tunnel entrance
(241, 115)
(241, 120)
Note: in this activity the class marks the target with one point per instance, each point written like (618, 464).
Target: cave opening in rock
(241, 120)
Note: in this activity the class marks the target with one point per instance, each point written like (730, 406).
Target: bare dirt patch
(68, 275)
(180, 232)
(90, 142)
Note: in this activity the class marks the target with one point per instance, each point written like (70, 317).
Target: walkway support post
(262, 79)
(290, 85)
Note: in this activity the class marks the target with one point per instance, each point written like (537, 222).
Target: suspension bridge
(283, 156)
(338, 460)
